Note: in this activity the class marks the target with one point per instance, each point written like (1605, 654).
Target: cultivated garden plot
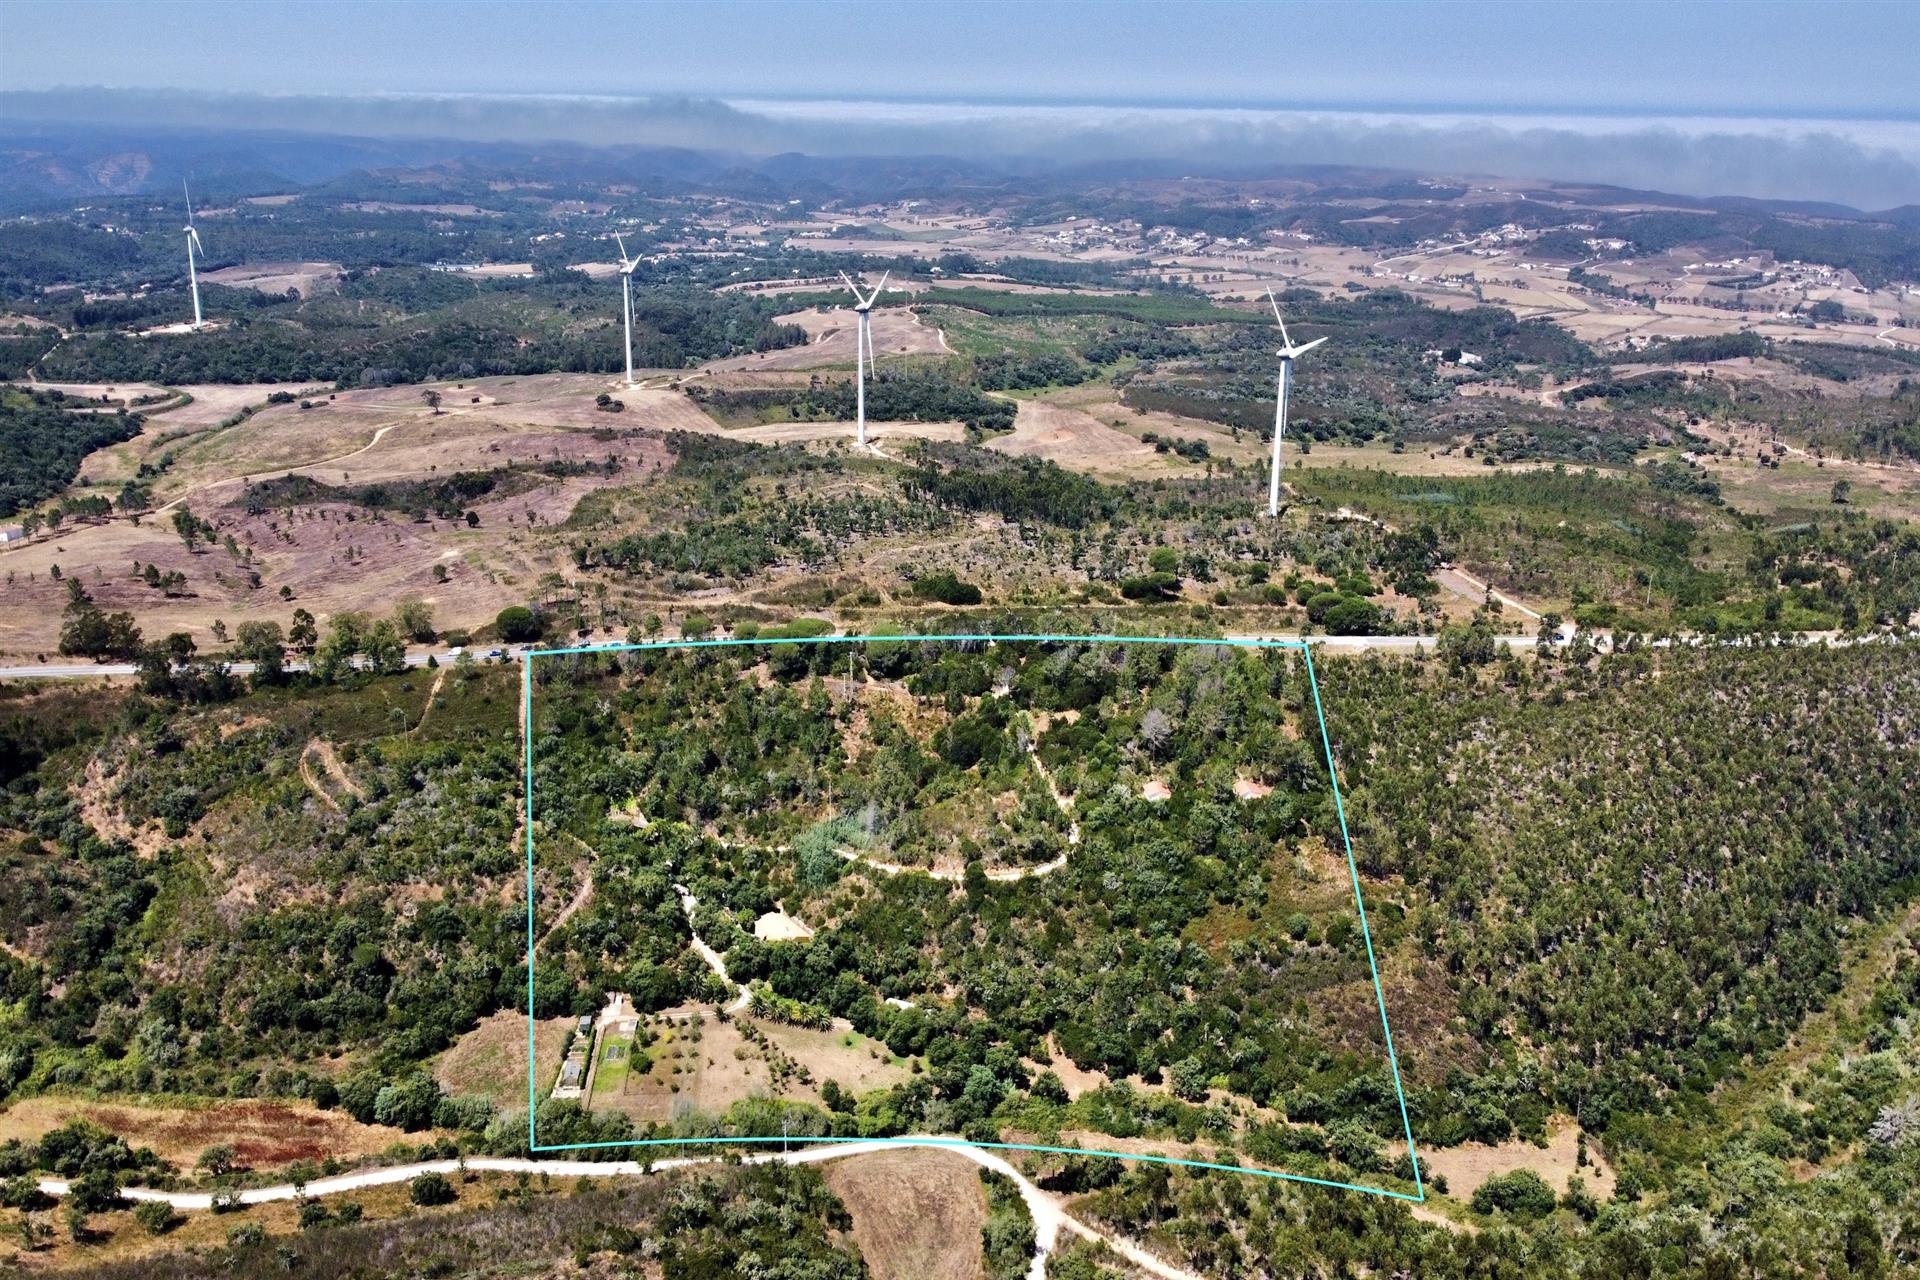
(1077, 896)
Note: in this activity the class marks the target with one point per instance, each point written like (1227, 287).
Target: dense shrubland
(892, 396)
(703, 1223)
(44, 435)
(415, 325)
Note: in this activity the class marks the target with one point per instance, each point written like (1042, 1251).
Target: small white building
(12, 533)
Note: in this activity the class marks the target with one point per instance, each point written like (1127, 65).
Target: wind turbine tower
(193, 243)
(626, 297)
(863, 350)
(1287, 353)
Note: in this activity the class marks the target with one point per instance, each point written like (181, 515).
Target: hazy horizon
(1870, 164)
(1812, 103)
(1843, 59)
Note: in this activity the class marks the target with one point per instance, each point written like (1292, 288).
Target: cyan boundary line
(526, 749)
(1366, 934)
(1326, 742)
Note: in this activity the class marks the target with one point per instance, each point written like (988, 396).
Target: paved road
(1602, 640)
(68, 670)
(1335, 644)
(1050, 1217)
(97, 670)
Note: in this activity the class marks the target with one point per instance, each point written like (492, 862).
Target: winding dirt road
(1050, 1217)
(279, 473)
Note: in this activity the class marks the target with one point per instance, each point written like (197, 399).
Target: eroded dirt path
(432, 693)
(713, 958)
(581, 896)
(319, 749)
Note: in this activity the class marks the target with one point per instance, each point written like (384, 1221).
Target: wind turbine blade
(850, 289)
(1302, 350)
(879, 288)
(623, 247)
(189, 195)
(1285, 341)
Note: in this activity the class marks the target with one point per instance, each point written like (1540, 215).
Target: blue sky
(1843, 57)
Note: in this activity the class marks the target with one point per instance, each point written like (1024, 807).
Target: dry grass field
(1380, 456)
(330, 555)
(117, 1237)
(264, 1135)
(444, 210)
(303, 278)
(1080, 442)
(877, 432)
(1803, 484)
(1468, 1165)
(1103, 402)
(698, 1061)
(860, 1064)
(917, 1213)
(907, 284)
(831, 338)
(490, 1061)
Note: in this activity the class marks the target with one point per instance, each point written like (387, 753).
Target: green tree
(1473, 645)
(246, 1235)
(1188, 1079)
(1522, 1193)
(303, 636)
(217, 1160)
(409, 1104)
(431, 1189)
(346, 638)
(516, 623)
(385, 649)
(414, 617)
(156, 1217)
(261, 644)
(89, 633)
(188, 526)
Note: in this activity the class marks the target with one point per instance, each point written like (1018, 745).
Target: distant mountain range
(45, 165)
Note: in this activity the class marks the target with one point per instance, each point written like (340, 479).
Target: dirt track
(322, 750)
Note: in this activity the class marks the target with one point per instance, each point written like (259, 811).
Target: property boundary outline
(1339, 806)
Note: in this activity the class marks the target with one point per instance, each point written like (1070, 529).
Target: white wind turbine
(863, 350)
(1287, 353)
(626, 297)
(193, 242)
